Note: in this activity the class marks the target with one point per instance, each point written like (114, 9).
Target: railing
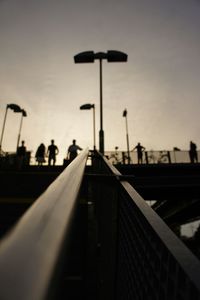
(140, 257)
(9, 159)
(150, 157)
(30, 255)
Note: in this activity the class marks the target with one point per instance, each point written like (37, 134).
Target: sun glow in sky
(159, 85)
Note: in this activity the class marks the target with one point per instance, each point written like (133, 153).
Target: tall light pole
(90, 57)
(88, 106)
(16, 108)
(24, 114)
(127, 137)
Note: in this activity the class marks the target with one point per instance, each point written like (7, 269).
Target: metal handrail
(29, 255)
(151, 260)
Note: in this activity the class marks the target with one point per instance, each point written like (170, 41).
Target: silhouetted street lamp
(24, 114)
(16, 108)
(90, 57)
(127, 137)
(87, 107)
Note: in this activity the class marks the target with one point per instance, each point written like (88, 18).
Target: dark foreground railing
(140, 257)
(131, 253)
(30, 255)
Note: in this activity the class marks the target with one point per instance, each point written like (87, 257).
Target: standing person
(40, 154)
(140, 150)
(193, 152)
(52, 152)
(73, 150)
(21, 155)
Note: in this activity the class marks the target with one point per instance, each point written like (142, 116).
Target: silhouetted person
(21, 155)
(40, 154)
(52, 152)
(140, 150)
(193, 152)
(73, 150)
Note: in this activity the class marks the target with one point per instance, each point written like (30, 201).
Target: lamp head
(125, 113)
(86, 106)
(116, 56)
(84, 57)
(16, 108)
(24, 114)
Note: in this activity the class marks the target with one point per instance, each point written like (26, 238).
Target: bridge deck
(120, 248)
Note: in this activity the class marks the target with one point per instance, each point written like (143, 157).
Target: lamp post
(24, 114)
(127, 137)
(16, 108)
(90, 57)
(88, 106)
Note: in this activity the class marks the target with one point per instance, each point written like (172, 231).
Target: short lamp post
(90, 57)
(16, 108)
(127, 137)
(24, 114)
(88, 106)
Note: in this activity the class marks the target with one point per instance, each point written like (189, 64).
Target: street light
(90, 57)
(87, 107)
(16, 108)
(24, 114)
(127, 137)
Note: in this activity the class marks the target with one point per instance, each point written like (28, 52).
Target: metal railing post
(106, 208)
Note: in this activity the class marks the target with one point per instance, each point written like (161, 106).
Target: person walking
(193, 152)
(40, 154)
(52, 152)
(21, 155)
(73, 150)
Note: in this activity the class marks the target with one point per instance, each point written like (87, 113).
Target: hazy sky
(159, 85)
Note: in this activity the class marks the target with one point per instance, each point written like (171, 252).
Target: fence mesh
(146, 268)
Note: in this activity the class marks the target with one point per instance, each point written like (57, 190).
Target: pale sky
(159, 85)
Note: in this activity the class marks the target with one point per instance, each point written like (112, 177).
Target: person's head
(74, 142)
(23, 142)
(52, 142)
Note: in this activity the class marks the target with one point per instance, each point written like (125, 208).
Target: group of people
(52, 152)
(192, 152)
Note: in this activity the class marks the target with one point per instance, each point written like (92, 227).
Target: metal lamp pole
(3, 128)
(15, 108)
(101, 132)
(87, 107)
(127, 136)
(94, 127)
(24, 114)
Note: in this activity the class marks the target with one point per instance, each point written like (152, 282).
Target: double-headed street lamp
(127, 137)
(90, 57)
(88, 106)
(16, 108)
